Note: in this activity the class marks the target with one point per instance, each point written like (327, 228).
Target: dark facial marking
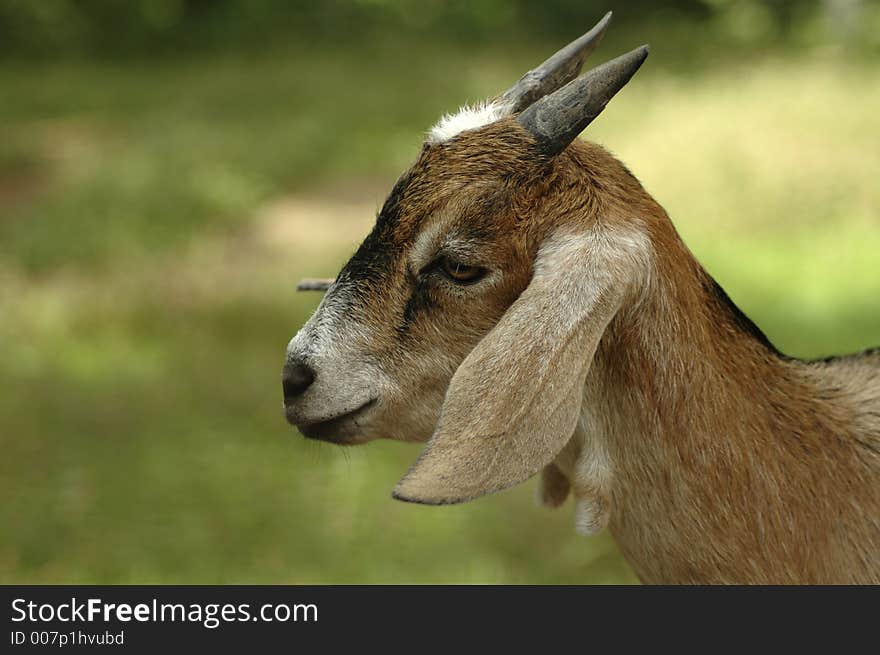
(372, 260)
(420, 301)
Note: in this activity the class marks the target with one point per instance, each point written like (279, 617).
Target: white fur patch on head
(469, 117)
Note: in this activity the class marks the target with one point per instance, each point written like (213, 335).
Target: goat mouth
(342, 429)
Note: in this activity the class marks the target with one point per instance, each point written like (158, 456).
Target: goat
(524, 306)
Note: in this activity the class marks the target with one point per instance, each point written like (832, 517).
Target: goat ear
(515, 400)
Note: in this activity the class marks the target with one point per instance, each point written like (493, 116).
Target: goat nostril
(296, 379)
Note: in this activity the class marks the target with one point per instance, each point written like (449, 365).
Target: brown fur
(731, 463)
(711, 457)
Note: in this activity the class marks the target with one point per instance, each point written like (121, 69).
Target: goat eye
(459, 272)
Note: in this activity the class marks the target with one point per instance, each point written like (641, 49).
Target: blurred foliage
(155, 212)
(109, 27)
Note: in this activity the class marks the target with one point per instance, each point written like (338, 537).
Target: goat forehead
(457, 184)
(375, 256)
(410, 235)
(468, 117)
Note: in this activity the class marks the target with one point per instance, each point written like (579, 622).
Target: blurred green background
(170, 168)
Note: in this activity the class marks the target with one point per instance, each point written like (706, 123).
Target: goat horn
(555, 120)
(557, 71)
(310, 284)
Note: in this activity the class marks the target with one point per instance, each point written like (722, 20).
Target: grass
(151, 230)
